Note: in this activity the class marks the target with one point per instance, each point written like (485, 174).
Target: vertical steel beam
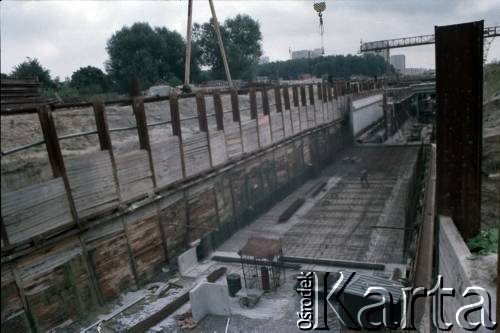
(253, 103)
(55, 155)
(142, 131)
(176, 128)
(219, 114)
(459, 90)
(265, 101)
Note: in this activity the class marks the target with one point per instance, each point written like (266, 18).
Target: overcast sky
(66, 35)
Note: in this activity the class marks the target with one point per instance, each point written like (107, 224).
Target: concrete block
(209, 298)
(187, 260)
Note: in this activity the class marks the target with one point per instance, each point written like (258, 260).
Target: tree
(31, 69)
(338, 66)
(242, 42)
(150, 55)
(89, 80)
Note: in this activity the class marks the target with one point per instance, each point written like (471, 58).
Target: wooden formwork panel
(109, 255)
(311, 116)
(34, 210)
(92, 183)
(287, 123)
(264, 131)
(268, 173)
(277, 126)
(281, 166)
(294, 158)
(233, 136)
(57, 285)
(167, 161)
(134, 174)
(306, 150)
(304, 116)
(146, 243)
(223, 192)
(173, 220)
(253, 174)
(11, 300)
(249, 135)
(295, 114)
(238, 183)
(196, 153)
(202, 211)
(218, 148)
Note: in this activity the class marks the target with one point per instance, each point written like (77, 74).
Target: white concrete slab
(209, 298)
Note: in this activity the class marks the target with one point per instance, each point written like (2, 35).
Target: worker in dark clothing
(364, 179)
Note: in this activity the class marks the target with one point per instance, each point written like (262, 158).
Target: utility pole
(221, 45)
(187, 65)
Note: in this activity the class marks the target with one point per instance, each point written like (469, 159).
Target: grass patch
(484, 243)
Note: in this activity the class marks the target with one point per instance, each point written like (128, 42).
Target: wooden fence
(87, 187)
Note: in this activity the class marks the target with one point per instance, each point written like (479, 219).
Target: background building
(301, 54)
(398, 62)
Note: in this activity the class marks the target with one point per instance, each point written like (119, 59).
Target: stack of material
(22, 94)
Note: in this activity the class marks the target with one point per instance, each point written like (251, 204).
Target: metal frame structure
(489, 32)
(254, 265)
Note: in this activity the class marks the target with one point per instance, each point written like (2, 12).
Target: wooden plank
(167, 161)
(92, 183)
(196, 153)
(290, 210)
(250, 136)
(36, 209)
(134, 175)
(162, 313)
(218, 147)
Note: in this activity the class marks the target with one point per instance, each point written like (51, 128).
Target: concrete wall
(366, 112)
(459, 271)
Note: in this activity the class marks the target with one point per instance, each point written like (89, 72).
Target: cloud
(67, 35)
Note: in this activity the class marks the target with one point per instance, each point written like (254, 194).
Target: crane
(320, 7)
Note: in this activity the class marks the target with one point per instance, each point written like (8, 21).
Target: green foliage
(31, 69)
(242, 42)
(89, 80)
(484, 243)
(150, 55)
(4, 76)
(338, 66)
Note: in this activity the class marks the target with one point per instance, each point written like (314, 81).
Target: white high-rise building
(398, 62)
(307, 54)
